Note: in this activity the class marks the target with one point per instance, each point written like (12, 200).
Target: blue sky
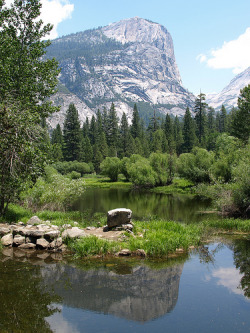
(211, 38)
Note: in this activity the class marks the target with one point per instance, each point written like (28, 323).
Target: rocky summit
(229, 95)
(131, 61)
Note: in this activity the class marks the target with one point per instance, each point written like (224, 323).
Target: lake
(205, 291)
(144, 204)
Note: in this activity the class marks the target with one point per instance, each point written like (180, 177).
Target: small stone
(18, 240)
(76, 223)
(4, 230)
(105, 228)
(7, 240)
(56, 243)
(30, 239)
(67, 226)
(73, 233)
(50, 235)
(140, 253)
(124, 253)
(8, 251)
(20, 223)
(27, 246)
(41, 243)
(34, 220)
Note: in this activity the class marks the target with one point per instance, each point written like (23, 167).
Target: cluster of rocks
(37, 234)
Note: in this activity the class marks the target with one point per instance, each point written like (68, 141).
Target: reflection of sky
(59, 324)
(230, 278)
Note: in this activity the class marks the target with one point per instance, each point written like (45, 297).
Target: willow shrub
(53, 191)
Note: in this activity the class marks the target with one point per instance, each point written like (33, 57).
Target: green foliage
(195, 166)
(140, 171)
(68, 167)
(164, 237)
(53, 191)
(111, 167)
(24, 73)
(74, 175)
(92, 245)
(228, 224)
(164, 167)
(241, 118)
(26, 82)
(72, 135)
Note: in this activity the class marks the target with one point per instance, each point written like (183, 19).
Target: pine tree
(178, 136)
(87, 150)
(135, 127)
(241, 119)
(123, 136)
(85, 128)
(169, 133)
(189, 137)
(93, 131)
(223, 120)
(200, 118)
(112, 125)
(72, 135)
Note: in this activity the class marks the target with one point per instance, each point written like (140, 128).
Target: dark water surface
(177, 207)
(206, 292)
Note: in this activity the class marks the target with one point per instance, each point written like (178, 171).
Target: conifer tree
(72, 135)
(178, 136)
(112, 126)
(85, 128)
(200, 118)
(124, 136)
(57, 143)
(135, 127)
(169, 133)
(189, 137)
(87, 150)
(223, 120)
(241, 119)
(93, 131)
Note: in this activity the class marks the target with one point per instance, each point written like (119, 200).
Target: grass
(228, 225)
(179, 185)
(92, 246)
(163, 237)
(104, 182)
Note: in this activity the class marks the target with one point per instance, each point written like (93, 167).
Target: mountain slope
(125, 62)
(229, 95)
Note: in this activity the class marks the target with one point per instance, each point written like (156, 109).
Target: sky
(211, 38)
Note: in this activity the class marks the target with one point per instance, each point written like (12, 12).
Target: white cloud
(54, 12)
(229, 278)
(234, 54)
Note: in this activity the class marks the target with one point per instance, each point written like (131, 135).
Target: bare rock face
(134, 61)
(119, 216)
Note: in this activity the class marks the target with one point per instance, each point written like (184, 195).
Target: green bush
(67, 167)
(195, 166)
(111, 167)
(53, 191)
(141, 172)
(74, 175)
(164, 167)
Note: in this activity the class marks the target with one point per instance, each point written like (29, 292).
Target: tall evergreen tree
(169, 133)
(112, 125)
(189, 137)
(72, 135)
(57, 136)
(178, 136)
(124, 136)
(85, 128)
(93, 131)
(223, 120)
(135, 126)
(200, 118)
(241, 119)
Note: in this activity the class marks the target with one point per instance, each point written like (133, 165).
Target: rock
(50, 235)
(30, 239)
(8, 251)
(67, 226)
(73, 233)
(42, 243)
(32, 232)
(140, 253)
(76, 223)
(18, 240)
(124, 253)
(4, 230)
(7, 240)
(20, 223)
(27, 246)
(56, 243)
(119, 216)
(105, 228)
(34, 220)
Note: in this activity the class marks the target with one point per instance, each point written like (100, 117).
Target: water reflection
(45, 292)
(143, 204)
(141, 295)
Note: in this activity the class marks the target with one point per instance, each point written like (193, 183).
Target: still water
(207, 291)
(177, 207)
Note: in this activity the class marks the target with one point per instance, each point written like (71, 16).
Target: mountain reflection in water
(141, 295)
